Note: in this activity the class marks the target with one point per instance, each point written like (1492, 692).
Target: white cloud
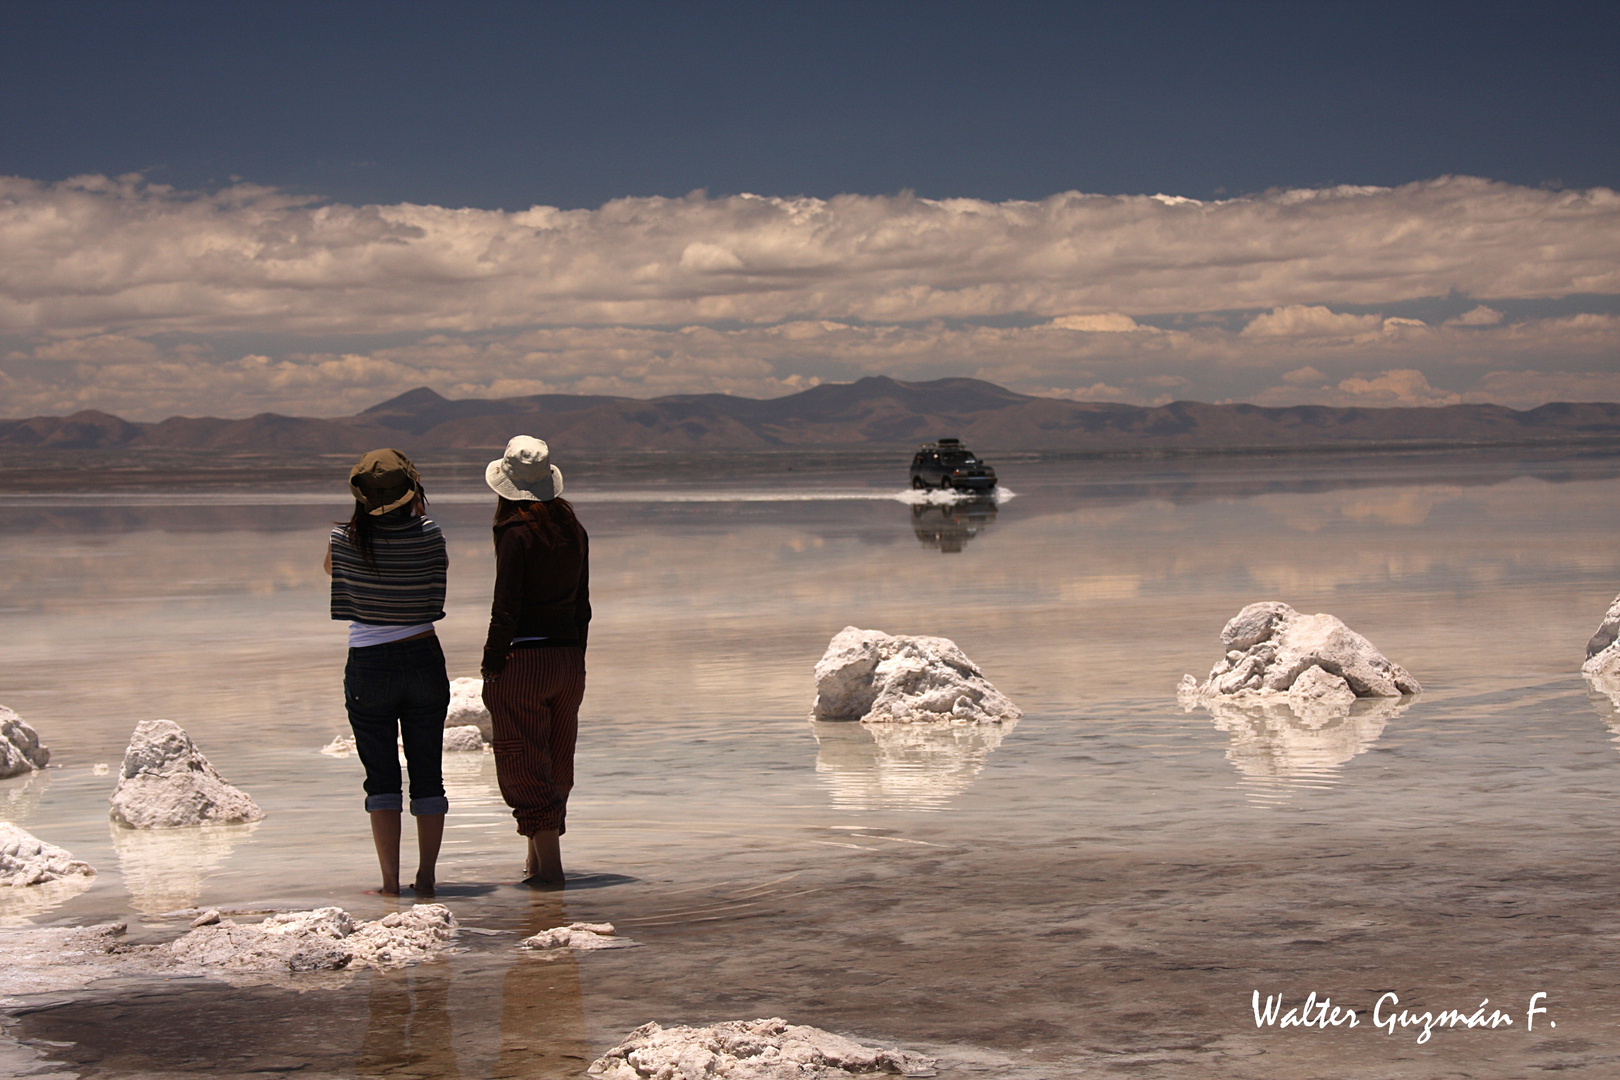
(131, 297)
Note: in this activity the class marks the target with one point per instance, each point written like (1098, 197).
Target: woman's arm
(507, 605)
(328, 563)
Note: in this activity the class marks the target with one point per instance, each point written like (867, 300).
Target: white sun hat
(525, 471)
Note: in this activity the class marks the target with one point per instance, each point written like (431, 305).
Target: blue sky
(322, 204)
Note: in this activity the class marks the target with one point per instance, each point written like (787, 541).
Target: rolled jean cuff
(433, 804)
(392, 801)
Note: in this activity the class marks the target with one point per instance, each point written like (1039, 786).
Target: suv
(948, 464)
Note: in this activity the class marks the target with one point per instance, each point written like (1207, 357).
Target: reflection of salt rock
(166, 783)
(340, 746)
(1285, 736)
(27, 860)
(902, 766)
(1603, 651)
(467, 707)
(749, 1050)
(463, 740)
(323, 939)
(579, 935)
(894, 678)
(1271, 647)
(164, 869)
(20, 750)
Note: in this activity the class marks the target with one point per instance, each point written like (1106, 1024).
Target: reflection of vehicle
(950, 527)
(949, 464)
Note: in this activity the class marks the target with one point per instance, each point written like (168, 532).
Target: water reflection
(1280, 743)
(950, 526)
(1604, 693)
(164, 869)
(902, 766)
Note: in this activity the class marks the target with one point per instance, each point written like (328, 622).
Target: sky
(306, 208)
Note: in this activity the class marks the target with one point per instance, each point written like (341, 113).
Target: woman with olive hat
(534, 657)
(388, 567)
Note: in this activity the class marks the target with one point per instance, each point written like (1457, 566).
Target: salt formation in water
(167, 783)
(340, 746)
(27, 860)
(1603, 651)
(165, 869)
(894, 678)
(1275, 739)
(578, 935)
(463, 740)
(749, 1050)
(20, 749)
(324, 939)
(467, 707)
(902, 766)
(1317, 661)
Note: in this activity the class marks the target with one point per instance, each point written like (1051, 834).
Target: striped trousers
(535, 709)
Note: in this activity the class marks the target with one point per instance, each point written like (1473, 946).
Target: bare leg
(385, 835)
(544, 864)
(429, 834)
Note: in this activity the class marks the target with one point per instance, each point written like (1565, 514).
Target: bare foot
(422, 888)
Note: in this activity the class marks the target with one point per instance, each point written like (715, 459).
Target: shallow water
(1097, 888)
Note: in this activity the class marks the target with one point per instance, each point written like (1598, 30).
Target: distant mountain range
(874, 411)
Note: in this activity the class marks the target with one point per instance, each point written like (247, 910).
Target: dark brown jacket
(541, 590)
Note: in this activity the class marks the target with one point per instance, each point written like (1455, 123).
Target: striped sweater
(406, 588)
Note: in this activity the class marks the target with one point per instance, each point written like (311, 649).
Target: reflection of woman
(388, 568)
(534, 658)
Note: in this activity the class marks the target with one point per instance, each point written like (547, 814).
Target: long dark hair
(553, 519)
(360, 529)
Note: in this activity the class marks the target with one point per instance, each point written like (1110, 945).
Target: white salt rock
(100, 768)
(20, 749)
(27, 860)
(749, 1050)
(340, 746)
(1603, 651)
(463, 740)
(578, 935)
(1270, 647)
(167, 783)
(894, 678)
(467, 707)
(322, 939)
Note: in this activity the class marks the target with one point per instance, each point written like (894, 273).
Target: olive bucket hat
(384, 480)
(525, 471)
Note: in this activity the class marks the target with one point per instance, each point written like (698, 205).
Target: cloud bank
(140, 299)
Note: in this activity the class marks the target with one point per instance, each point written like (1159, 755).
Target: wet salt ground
(1100, 892)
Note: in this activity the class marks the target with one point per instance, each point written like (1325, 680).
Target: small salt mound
(463, 740)
(1315, 659)
(27, 860)
(579, 935)
(323, 939)
(1603, 651)
(340, 746)
(894, 678)
(467, 707)
(749, 1050)
(20, 749)
(167, 783)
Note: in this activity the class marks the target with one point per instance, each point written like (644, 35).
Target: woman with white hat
(534, 657)
(388, 567)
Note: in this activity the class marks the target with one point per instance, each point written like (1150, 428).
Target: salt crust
(296, 950)
(20, 749)
(1319, 663)
(875, 677)
(749, 1050)
(1602, 666)
(579, 935)
(26, 860)
(166, 783)
(467, 707)
(324, 939)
